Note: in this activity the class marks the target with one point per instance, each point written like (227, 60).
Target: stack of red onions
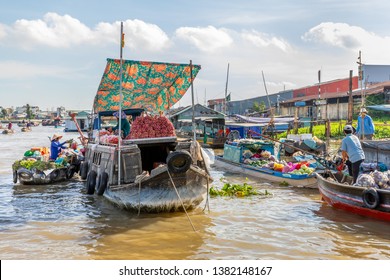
(151, 127)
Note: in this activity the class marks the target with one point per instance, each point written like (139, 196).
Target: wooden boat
(370, 202)
(8, 131)
(36, 169)
(232, 161)
(157, 174)
(25, 129)
(148, 173)
(36, 177)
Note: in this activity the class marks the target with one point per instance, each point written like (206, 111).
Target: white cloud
(264, 40)
(65, 31)
(207, 39)
(23, 70)
(352, 38)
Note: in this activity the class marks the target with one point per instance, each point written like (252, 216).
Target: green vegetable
(29, 164)
(238, 190)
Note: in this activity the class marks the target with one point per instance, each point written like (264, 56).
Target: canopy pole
(193, 105)
(122, 41)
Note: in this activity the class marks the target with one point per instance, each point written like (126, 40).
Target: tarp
(385, 107)
(264, 120)
(153, 86)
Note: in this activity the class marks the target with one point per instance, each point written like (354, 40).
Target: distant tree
(29, 112)
(259, 107)
(4, 112)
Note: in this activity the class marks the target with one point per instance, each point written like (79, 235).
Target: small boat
(336, 190)
(8, 131)
(232, 160)
(25, 129)
(36, 169)
(37, 177)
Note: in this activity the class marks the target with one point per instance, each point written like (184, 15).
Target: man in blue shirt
(365, 126)
(352, 152)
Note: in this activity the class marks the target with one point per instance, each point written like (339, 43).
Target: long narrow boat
(365, 201)
(306, 181)
(232, 161)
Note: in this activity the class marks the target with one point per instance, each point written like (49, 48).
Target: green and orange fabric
(153, 86)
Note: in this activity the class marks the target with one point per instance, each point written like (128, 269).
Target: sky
(53, 53)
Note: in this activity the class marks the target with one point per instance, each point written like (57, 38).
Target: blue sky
(53, 53)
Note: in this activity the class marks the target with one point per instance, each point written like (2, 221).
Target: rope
(181, 201)
(207, 198)
(139, 178)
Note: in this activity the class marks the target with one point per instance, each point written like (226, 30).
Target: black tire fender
(103, 182)
(84, 170)
(15, 176)
(91, 182)
(25, 174)
(371, 198)
(70, 171)
(179, 161)
(54, 174)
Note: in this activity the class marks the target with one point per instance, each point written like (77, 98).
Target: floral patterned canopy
(153, 86)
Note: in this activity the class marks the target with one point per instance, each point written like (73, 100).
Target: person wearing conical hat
(365, 127)
(56, 146)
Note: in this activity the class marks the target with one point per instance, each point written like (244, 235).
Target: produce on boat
(35, 168)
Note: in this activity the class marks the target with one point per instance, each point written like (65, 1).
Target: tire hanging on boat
(70, 171)
(84, 170)
(103, 181)
(54, 174)
(179, 161)
(91, 182)
(25, 174)
(371, 198)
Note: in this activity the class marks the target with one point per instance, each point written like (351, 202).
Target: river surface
(62, 222)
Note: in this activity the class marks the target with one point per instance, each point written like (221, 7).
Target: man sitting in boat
(56, 146)
(10, 125)
(125, 125)
(352, 152)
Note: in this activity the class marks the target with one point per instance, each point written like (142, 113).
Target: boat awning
(385, 107)
(153, 86)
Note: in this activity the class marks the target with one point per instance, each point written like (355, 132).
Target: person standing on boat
(125, 125)
(352, 152)
(365, 126)
(10, 125)
(56, 146)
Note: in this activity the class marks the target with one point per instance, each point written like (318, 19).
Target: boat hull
(29, 177)
(152, 179)
(266, 174)
(350, 198)
(157, 193)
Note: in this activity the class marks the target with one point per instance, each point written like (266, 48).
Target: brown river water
(62, 222)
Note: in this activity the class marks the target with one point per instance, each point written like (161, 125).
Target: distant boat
(8, 131)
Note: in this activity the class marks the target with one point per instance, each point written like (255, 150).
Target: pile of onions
(151, 127)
